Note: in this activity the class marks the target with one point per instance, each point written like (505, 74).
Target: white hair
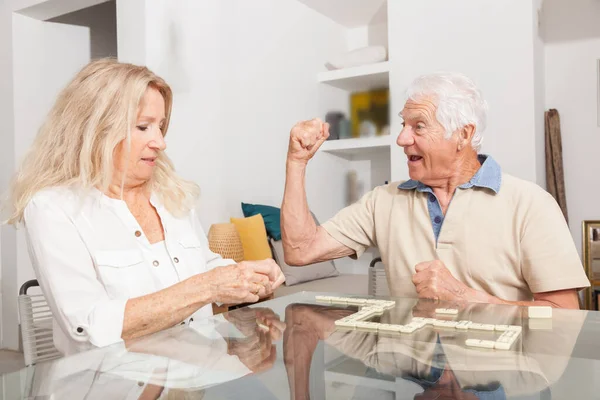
(458, 100)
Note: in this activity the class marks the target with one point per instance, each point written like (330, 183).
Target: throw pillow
(296, 275)
(271, 216)
(253, 235)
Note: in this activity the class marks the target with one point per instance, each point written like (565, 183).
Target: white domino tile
(447, 311)
(539, 312)
(486, 344)
(482, 327)
(463, 325)
(373, 307)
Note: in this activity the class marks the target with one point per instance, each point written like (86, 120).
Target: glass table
(289, 347)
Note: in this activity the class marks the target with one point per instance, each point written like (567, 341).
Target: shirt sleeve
(550, 260)
(65, 270)
(354, 226)
(213, 260)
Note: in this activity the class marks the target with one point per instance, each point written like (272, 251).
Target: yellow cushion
(254, 237)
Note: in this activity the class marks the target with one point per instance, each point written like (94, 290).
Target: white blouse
(90, 256)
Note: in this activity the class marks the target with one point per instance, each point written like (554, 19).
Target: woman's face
(147, 141)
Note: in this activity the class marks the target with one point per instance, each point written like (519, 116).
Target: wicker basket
(225, 240)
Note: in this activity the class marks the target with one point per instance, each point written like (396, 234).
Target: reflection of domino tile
(445, 324)
(352, 301)
(390, 328)
(345, 324)
(378, 310)
(372, 301)
(464, 325)
(370, 326)
(364, 326)
(501, 328)
(482, 327)
(359, 315)
(418, 319)
(430, 321)
(515, 328)
(324, 299)
(506, 340)
(389, 304)
(407, 328)
(540, 323)
(502, 346)
(449, 311)
(486, 344)
(417, 324)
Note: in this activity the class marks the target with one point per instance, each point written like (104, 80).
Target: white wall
(242, 79)
(572, 89)
(539, 85)
(492, 42)
(44, 56)
(46, 9)
(7, 236)
(102, 21)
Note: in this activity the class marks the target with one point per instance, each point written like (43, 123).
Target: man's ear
(465, 135)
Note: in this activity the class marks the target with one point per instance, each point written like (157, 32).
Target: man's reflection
(436, 359)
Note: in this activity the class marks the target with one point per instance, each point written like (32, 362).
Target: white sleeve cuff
(219, 262)
(105, 323)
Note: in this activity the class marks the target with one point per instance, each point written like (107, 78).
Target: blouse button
(138, 233)
(155, 263)
(176, 260)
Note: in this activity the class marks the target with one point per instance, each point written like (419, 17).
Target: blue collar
(488, 176)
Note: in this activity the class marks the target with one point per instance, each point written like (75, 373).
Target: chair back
(378, 285)
(36, 326)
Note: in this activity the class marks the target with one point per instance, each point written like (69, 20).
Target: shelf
(357, 148)
(364, 77)
(350, 13)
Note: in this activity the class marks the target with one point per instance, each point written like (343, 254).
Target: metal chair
(36, 326)
(378, 285)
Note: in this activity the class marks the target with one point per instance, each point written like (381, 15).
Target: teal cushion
(271, 216)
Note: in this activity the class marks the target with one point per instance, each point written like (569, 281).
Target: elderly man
(459, 229)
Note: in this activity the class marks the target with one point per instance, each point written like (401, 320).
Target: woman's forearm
(163, 309)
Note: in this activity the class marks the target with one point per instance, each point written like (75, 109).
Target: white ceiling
(351, 13)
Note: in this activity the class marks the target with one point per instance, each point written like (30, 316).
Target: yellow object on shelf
(371, 107)
(225, 240)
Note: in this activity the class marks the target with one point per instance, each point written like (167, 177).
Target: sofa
(343, 283)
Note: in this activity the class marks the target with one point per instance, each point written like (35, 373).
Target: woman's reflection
(177, 363)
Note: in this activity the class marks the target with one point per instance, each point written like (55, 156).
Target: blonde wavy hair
(75, 145)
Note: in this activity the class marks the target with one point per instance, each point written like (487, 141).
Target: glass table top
(289, 347)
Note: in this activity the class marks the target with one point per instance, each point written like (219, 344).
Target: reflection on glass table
(290, 348)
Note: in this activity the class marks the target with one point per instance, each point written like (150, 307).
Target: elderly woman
(460, 229)
(111, 228)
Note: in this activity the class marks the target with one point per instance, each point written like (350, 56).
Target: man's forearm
(566, 299)
(297, 225)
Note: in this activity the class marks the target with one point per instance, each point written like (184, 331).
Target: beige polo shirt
(510, 244)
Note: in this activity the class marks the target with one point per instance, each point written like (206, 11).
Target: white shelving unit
(365, 162)
(364, 77)
(357, 148)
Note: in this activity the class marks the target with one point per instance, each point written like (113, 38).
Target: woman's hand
(245, 282)
(256, 351)
(247, 320)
